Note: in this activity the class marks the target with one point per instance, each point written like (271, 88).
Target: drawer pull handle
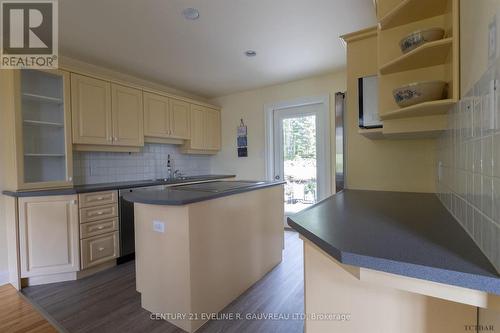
(100, 198)
(100, 249)
(100, 213)
(100, 227)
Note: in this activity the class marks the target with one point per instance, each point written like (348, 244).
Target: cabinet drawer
(99, 249)
(98, 213)
(98, 199)
(98, 228)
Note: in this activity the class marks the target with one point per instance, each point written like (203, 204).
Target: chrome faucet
(177, 174)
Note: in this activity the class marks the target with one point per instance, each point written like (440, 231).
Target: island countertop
(409, 234)
(187, 194)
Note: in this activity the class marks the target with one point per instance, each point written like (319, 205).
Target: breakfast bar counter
(365, 251)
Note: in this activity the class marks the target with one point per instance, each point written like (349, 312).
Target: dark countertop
(410, 234)
(113, 186)
(183, 195)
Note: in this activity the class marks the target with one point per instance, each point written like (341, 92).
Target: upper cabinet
(91, 110)
(418, 43)
(180, 121)
(205, 131)
(105, 114)
(127, 115)
(36, 129)
(165, 118)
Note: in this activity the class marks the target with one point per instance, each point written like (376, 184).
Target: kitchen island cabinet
(198, 248)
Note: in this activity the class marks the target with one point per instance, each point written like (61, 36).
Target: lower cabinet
(48, 235)
(99, 236)
(99, 249)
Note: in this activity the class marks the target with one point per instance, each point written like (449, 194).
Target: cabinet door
(156, 116)
(128, 116)
(48, 235)
(44, 118)
(179, 119)
(198, 121)
(91, 110)
(212, 132)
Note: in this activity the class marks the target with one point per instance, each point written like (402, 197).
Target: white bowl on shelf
(420, 37)
(420, 92)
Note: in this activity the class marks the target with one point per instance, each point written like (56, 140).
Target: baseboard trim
(4, 277)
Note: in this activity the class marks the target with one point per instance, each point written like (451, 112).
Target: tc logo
(27, 28)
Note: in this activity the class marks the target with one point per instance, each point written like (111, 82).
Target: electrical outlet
(159, 226)
(492, 40)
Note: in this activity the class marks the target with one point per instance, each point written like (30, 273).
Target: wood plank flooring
(18, 315)
(108, 301)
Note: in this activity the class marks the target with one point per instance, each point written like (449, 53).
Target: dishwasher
(126, 217)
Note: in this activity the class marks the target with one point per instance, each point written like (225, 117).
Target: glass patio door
(300, 158)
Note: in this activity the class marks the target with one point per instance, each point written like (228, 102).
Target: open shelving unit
(427, 55)
(437, 60)
(409, 11)
(420, 110)
(372, 133)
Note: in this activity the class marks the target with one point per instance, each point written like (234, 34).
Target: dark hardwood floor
(108, 301)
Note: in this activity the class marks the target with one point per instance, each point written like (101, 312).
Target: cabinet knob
(70, 179)
(115, 138)
(110, 138)
(100, 213)
(100, 198)
(100, 249)
(100, 227)
(74, 202)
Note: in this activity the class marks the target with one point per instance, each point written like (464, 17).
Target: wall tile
(496, 200)
(150, 163)
(469, 186)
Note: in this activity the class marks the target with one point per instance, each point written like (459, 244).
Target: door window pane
(299, 159)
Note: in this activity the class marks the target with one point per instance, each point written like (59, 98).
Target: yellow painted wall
(250, 105)
(475, 17)
(389, 165)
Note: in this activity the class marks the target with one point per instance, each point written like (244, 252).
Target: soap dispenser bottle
(169, 167)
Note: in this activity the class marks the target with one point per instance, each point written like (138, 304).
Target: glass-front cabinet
(43, 127)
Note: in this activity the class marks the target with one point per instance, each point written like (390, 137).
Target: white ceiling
(151, 39)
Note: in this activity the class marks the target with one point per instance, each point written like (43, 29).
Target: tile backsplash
(150, 163)
(469, 164)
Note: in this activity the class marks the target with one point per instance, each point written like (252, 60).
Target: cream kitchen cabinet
(205, 135)
(91, 110)
(105, 114)
(212, 129)
(127, 115)
(180, 120)
(48, 235)
(165, 118)
(156, 116)
(36, 129)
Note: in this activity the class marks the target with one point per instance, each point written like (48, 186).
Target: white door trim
(269, 109)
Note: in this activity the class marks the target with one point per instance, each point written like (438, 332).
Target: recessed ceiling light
(250, 53)
(191, 14)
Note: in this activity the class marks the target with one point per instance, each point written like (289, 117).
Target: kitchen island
(200, 246)
(392, 262)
